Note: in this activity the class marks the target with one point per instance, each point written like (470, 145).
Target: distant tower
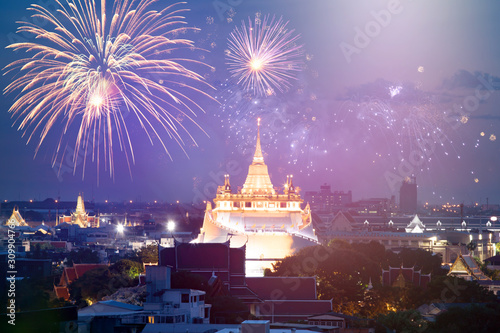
(408, 196)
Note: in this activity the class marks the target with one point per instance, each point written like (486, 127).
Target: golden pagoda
(272, 225)
(80, 217)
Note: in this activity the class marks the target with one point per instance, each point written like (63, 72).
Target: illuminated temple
(272, 225)
(80, 217)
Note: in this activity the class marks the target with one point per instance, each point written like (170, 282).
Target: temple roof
(16, 218)
(415, 226)
(258, 180)
(466, 265)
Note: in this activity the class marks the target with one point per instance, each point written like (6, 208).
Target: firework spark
(88, 71)
(264, 57)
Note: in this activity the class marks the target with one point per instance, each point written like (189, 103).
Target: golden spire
(257, 157)
(80, 206)
(258, 180)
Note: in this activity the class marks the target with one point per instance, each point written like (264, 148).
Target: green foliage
(228, 310)
(97, 283)
(148, 254)
(402, 321)
(474, 318)
(344, 270)
(449, 289)
(128, 268)
(82, 256)
(419, 258)
(37, 294)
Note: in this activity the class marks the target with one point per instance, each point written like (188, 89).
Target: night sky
(379, 97)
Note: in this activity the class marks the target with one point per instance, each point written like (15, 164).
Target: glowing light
(171, 226)
(393, 91)
(120, 228)
(421, 69)
(493, 137)
(482, 133)
(476, 180)
(256, 64)
(264, 56)
(90, 69)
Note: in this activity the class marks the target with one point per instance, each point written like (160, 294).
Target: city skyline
(382, 84)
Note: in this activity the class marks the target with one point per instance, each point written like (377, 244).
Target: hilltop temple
(272, 225)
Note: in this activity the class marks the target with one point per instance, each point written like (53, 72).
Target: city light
(120, 228)
(171, 226)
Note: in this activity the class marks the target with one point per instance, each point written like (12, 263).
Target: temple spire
(80, 206)
(257, 157)
(258, 180)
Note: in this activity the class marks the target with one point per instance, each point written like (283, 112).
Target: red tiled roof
(59, 245)
(410, 275)
(70, 273)
(283, 310)
(83, 268)
(289, 288)
(61, 292)
(311, 307)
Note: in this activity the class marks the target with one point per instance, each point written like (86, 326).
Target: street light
(120, 228)
(171, 226)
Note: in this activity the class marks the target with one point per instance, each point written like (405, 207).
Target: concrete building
(408, 196)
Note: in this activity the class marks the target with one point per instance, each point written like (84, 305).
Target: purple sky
(384, 83)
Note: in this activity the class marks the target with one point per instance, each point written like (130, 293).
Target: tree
(37, 294)
(410, 321)
(97, 283)
(148, 254)
(83, 256)
(474, 318)
(342, 270)
(228, 310)
(420, 259)
(450, 289)
(128, 268)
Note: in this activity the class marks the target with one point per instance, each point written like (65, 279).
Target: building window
(283, 205)
(184, 298)
(248, 204)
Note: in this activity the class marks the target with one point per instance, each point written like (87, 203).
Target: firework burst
(264, 57)
(89, 71)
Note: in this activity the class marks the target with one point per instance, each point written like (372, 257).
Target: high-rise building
(325, 200)
(272, 225)
(408, 196)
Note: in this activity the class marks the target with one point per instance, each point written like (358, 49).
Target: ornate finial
(258, 158)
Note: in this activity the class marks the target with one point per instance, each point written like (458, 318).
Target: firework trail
(264, 57)
(88, 71)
